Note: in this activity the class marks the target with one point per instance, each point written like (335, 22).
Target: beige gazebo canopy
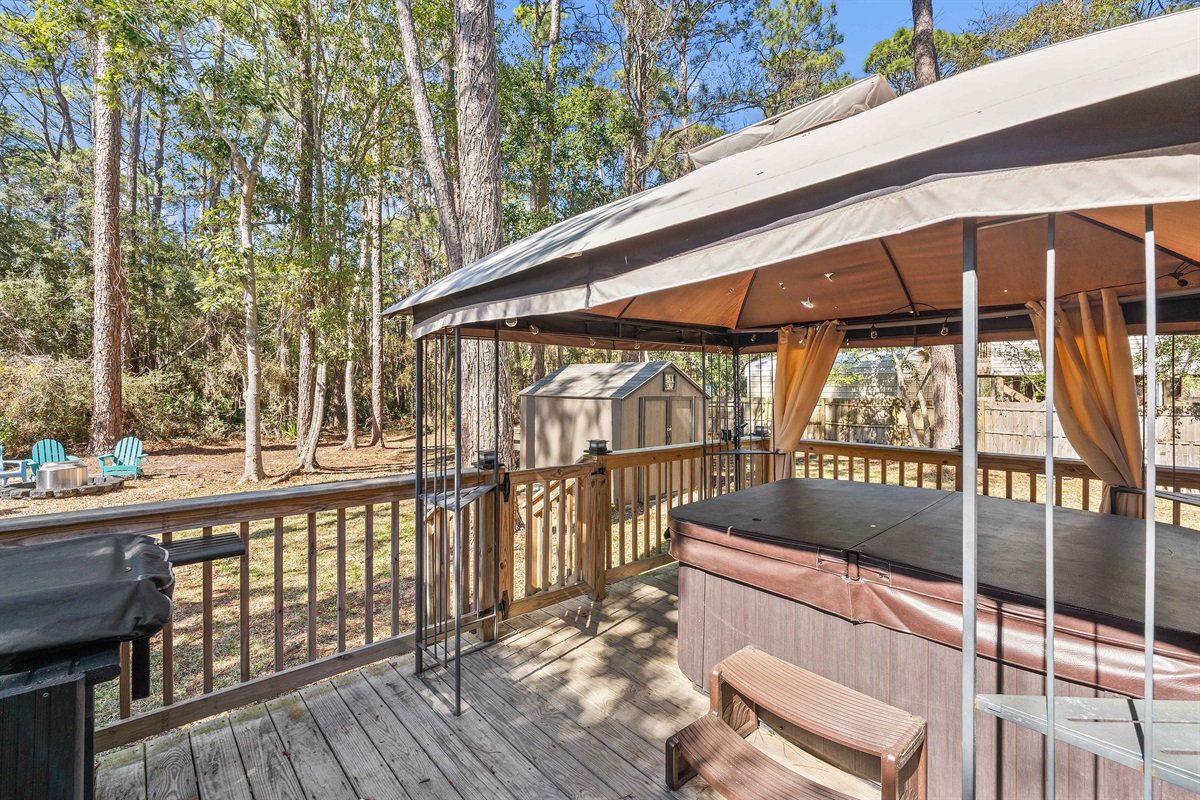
(860, 219)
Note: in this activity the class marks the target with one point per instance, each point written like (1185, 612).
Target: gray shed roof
(600, 381)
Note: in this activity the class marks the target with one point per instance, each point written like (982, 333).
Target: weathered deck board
(219, 768)
(170, 769)
(574, 701)
(124, 774)
(268, 768)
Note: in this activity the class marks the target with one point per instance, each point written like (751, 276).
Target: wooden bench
(751, 681)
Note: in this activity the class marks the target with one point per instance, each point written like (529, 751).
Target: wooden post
(593, 519)
(603, 516)
(505, 546)
(488, 532)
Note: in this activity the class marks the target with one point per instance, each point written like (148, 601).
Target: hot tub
(861, 583)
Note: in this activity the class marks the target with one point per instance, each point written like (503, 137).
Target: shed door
(666, 420)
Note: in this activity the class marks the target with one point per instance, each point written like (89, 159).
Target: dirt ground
(174, 471)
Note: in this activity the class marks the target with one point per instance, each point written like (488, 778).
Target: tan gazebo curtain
(1095, 392)
(802, 364)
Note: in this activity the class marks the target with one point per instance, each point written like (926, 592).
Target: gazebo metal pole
(1050, 360)
(1151, 483)
(495, 565)
(419, 490)
(458, 526)
(970, 467)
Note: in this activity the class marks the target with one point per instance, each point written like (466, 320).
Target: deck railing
(1012, 477)
(326, 584)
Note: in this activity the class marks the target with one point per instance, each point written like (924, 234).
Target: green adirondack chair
(125, 459)
(45, 451)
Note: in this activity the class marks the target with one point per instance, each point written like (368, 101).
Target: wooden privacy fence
(326, 584)
(1013, 477)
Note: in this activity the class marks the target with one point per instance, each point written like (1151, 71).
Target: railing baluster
(395, 531)
(658, 494)
(562, 534)
(1008, 484)
(243, 609)
(206, 605)
(938, 467)
(544, 536)
(312, 586)
(621, 513)
(1087, 494)
(920, 472)
(369, 574)
(645, 511)
(635, 475)
(530, 543)
(987, 481)
(125, 681)
(278, 575)
(1058, 490)
(576, 551)
(168, 649)
(341, 578)
(1033, 487)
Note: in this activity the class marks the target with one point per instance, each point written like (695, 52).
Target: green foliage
(796, 45)
(893, 58)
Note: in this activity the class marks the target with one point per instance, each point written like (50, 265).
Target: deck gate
(457, 508)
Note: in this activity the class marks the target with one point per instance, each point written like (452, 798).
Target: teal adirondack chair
(10, 469)
(45, 451)
(125, 459)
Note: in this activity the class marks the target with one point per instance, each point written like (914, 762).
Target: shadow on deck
(575, 700)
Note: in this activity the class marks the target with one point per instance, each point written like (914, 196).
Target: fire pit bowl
(59, 475)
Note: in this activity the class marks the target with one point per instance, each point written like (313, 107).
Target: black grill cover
(85, 591)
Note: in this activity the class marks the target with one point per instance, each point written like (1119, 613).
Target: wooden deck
(574, 701)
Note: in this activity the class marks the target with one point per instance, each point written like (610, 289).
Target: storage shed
(631, 404)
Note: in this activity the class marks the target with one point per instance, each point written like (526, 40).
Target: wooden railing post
(593, 523)
(506, 541)
(490, 506)
(602, 514)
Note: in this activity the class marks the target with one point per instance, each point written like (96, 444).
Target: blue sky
(865, 22)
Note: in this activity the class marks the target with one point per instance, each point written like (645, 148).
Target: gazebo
(1054, 191)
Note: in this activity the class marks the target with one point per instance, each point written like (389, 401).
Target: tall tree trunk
(253, 465)
(133, 159)
(308, 454)
(925, 64)
(479, 182)
(539, 196)
(305, 153)
(375, 204)
(435, 164)
(945, 372)
(364, 259)
(160, 140)
(107, 289)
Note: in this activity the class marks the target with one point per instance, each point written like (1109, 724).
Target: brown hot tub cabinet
(861, 583)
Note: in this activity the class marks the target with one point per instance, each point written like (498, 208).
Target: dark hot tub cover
(89, 590)
(891, 555)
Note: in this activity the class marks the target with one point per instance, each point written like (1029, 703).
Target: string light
(510, 322)
(874, 331)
